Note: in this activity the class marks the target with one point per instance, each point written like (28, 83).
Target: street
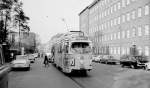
(102, 76)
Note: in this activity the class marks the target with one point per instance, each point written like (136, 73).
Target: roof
(83, 10)
(93, 3)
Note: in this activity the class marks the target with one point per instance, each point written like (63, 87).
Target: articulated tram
(72, 52)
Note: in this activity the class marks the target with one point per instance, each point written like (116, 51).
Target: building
(116, 25)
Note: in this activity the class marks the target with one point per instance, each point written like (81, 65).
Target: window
(128, 34)
(146, 10)
(139, 12)
(123, 50)
(118, 50)
(111, 10)
(102, 26)
(133, 14)
(128, 16)
(123, 34)
(115, 7)
(139, 31)
(119, 5)
(133, 32)
(123, 18)
(128, 2)
(140, 50)
(114, 50)
(108, 11)
(119, 20)
(118, 35)
(115, 36)
(115, 21)
(111, 50)
(111, 37)
(111, 23)
(146, 29)
(128, 50)
(146, 51)
(123, 3)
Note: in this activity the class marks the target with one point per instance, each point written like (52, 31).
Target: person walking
(46, 61)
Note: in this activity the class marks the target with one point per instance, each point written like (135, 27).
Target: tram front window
(80, 47)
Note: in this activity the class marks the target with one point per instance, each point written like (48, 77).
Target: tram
(72, 52)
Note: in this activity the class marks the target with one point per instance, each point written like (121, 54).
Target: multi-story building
(116, 25)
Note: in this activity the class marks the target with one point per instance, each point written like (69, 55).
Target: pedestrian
(46, 61)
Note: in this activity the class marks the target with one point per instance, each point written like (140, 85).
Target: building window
(123, 34)
(118, 35)
(118, 50)
(139, 31)
(128, 50)
(128, 2)
(123, 3)
(114, 50)
(111, 23)
(140, 50)
(146, 10)
(115, 36)
(139, 12)
(146, 51)
(123, 50)
(123, 18)
(128, 16)
(111, 9)
(119, 5)
(111, 37)
(119, 20)
(115, 7)
(115, 21)
(146, 29)
(133, 14)
(133, 32)
(128, 34)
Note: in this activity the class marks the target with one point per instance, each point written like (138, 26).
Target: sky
(46, 16)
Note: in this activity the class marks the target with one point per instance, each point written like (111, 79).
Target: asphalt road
(102, 76)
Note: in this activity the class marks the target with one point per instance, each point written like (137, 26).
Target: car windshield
(81, 47)
(19, 61)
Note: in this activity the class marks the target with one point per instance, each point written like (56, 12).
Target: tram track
(78, 83)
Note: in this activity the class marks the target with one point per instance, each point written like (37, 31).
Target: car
(31, 58)
(21, 63)
(147, 65)
(97, 58)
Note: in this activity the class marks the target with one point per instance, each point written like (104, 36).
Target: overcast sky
(45, 15)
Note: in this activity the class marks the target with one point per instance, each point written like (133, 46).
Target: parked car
(136, 61)
(97, 58)
(108, 59)
(147, 65)
(21, 63)
(31, 57)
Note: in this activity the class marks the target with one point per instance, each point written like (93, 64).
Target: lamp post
(65, 24)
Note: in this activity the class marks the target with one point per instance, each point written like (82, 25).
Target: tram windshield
(81, 47)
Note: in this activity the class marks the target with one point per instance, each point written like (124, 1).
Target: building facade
(116, 25)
